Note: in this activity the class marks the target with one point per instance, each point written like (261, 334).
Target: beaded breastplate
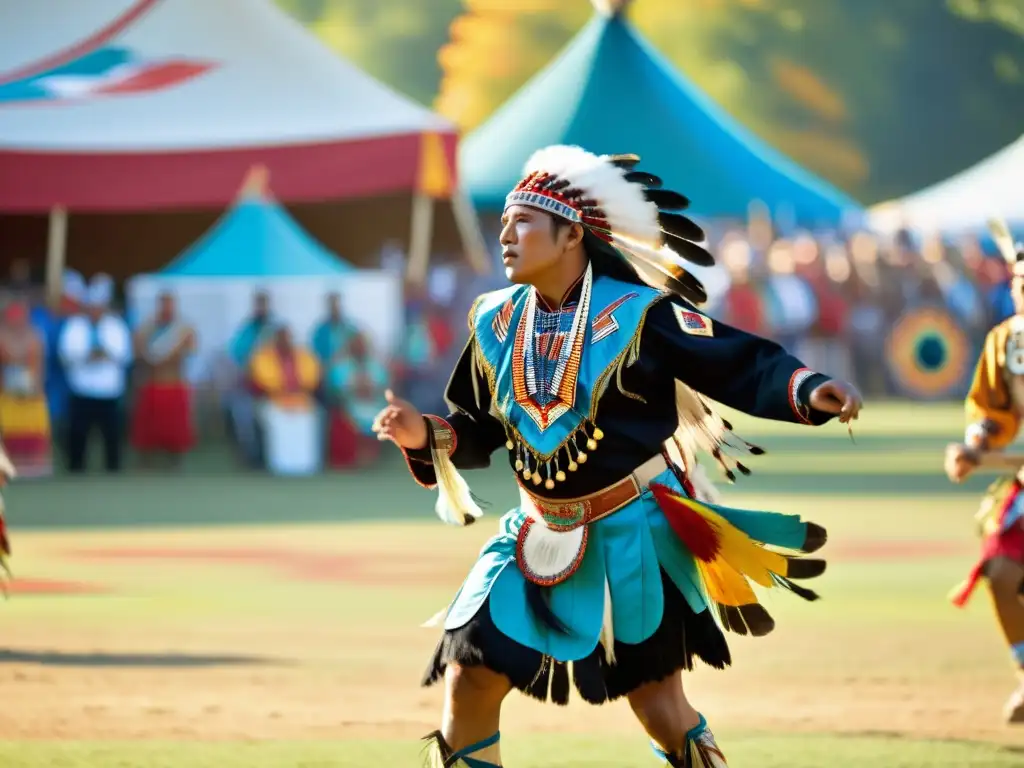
(1014, 362)
(547, 370)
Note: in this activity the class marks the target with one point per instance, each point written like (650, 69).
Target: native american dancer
(618, 569)
(24, 411)
(162, 419)
(994, 408)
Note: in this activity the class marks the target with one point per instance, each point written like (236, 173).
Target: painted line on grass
(300, 565)
(54, 587)
(396, 569)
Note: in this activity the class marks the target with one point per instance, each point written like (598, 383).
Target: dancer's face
(1017, 293)
(532, 244)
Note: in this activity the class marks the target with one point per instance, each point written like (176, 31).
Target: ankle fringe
(436, 751)
(439, 754)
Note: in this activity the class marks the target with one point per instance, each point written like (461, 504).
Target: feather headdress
(1011, 251)
(624, 207)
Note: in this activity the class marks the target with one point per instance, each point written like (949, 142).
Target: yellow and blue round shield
(928, 354)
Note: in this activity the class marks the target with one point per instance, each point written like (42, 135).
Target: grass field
(214, 619)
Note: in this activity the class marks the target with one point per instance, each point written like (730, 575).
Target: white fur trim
(547, 556)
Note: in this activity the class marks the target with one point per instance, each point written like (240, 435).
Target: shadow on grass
(1009, 749)
(133, 660)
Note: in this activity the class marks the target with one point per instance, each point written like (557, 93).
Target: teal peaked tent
(609, 92)
(256, 237)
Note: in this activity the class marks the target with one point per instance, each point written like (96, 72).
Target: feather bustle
(692, 529)
(729, 562)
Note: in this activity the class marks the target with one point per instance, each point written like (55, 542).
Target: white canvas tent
(964, 202)
(131, 106)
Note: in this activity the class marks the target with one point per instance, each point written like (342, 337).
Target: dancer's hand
(838, 397)
(960, 462)
(401, 423)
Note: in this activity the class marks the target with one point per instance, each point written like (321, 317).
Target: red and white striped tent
(116, 109)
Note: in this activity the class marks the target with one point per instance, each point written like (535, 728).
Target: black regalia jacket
(637, 414)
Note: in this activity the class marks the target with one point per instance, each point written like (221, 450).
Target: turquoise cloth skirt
(657, 598)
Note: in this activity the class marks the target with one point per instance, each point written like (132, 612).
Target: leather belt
(567, 514)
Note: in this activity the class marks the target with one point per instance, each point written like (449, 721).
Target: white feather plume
(1003, 239)
(701, 429)
(455, 504)
(6, 465)
(629, 213)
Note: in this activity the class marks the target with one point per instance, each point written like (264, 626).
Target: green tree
(878, 96)
(914, 89)
(495, 47)
(395, 41)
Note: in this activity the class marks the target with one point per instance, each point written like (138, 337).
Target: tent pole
(469, 232)
(420, 237)
(56, 254)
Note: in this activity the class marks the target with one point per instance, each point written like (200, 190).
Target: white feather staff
(1004, 240)
(7, 473)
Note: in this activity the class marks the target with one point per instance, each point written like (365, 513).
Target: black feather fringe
(690, 251)
(687, 286)
(681, 639)
(815, 538)
(680, 226)
(560, 682)
(805, 567)
(758, 620)
(796, 589)
(642, 177)
(732, 620)
(667, 200)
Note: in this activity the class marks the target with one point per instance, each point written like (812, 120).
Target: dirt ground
(312, 633)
